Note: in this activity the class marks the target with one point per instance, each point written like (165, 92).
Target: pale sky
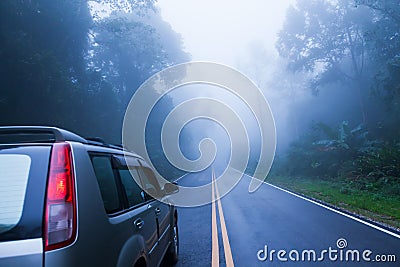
(232, 32)
(221, 30)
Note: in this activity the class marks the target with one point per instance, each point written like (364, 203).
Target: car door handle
(138, 223)
(157, 211)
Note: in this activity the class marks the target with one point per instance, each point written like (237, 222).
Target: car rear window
(23, 176)
(13, 181)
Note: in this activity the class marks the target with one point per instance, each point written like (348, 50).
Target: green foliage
(345, 138)
(357, 44)
(61, 65)
(130, 6)
(324, 150)
(383, 39)
(126, 52)
(319, 36)
(352, 43)
(42, 47)
(346, 154)
(382, 162)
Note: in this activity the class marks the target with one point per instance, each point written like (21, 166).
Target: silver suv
(70, 201)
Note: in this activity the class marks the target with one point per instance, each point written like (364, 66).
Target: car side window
(107, 183)
(134, 193)
(150, 182)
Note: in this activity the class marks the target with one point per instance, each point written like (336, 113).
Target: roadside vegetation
(346, 149)
(372, 205)
(350, 172)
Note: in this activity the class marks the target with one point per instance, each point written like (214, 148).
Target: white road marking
(332, 209)
(337, 211)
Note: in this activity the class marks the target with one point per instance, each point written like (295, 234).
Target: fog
(316, 77)
(222, 31)
(235, 34)
(328, 69)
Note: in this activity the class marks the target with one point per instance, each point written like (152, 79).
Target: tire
(173, 250)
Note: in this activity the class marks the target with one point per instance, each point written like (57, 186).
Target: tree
(389, 8)
(326, 38)
(129, 6)
(384, 48)
(63, 64)
(127, 49)
(42, 47)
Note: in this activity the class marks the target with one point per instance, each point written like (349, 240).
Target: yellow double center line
(215, 248)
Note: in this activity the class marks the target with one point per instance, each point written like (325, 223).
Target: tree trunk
(359, 88)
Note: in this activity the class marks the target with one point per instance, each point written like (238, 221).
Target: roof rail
(95, 140)
(59, 134)
(101, 142)
(117, 146)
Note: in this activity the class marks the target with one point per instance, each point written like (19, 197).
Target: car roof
(49, 134)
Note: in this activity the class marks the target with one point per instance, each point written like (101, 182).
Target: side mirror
(171, 188)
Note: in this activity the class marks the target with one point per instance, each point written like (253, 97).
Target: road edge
(351, 215)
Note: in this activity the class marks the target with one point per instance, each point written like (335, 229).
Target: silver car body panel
(27, 252)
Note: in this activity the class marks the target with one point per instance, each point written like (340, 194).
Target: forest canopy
(349, 46)
(75, 64)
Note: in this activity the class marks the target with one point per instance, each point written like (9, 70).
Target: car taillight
(60, 217)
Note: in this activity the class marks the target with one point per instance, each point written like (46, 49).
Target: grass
(373, 205)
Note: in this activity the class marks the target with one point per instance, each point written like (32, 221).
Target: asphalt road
(252, 225)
